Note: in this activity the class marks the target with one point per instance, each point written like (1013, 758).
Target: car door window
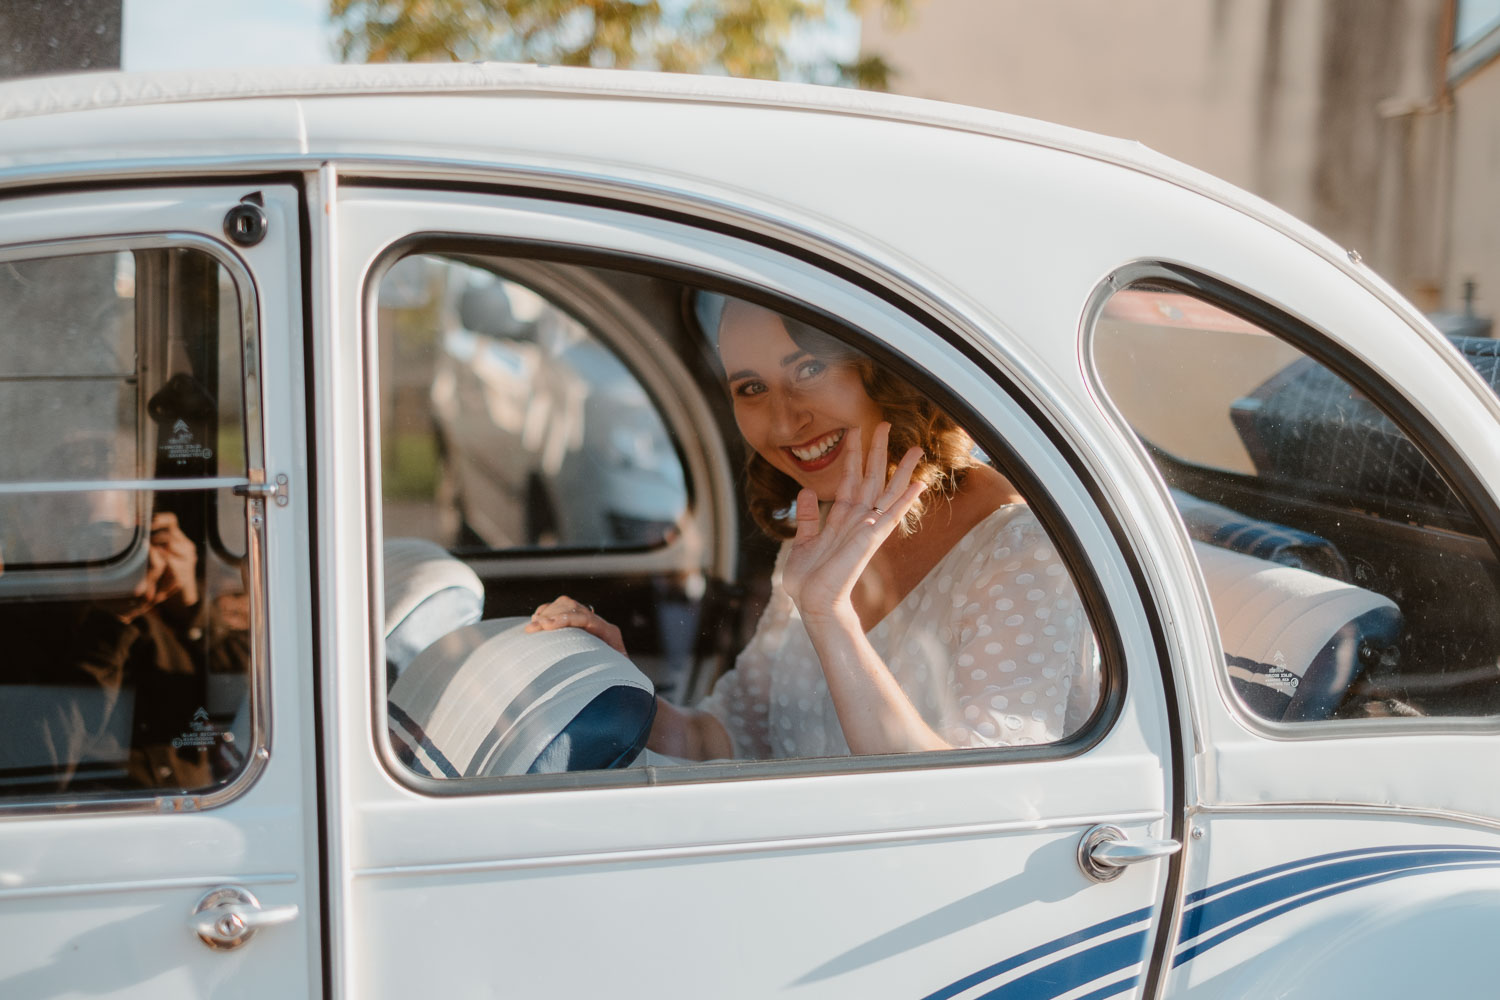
(507, 424)
(1349, 579)
(122, 554)
(991, 644)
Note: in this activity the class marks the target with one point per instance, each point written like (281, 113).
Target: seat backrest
(428, 593)
(1295, 641)
(491, 699)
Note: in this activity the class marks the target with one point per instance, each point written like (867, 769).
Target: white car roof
(237, 94)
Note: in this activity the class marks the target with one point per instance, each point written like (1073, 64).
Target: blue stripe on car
(1254, 896)
(1041, 951)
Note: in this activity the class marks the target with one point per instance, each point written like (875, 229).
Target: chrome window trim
(259, 693)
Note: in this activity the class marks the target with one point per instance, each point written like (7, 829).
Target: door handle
(227, 917)
(1104, 851)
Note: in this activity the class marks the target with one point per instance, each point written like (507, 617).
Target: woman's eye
(749, 388)
(810, 369)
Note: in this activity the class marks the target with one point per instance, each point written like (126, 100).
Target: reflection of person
(917, 603)
(102, 688)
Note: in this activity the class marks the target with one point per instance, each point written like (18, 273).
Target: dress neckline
(1012, 508)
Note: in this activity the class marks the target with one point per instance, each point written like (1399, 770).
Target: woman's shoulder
(990, 512)
(983, 494)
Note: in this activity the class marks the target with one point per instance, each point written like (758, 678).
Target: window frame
(1425, 435)
(258, 695)
(1113, 671)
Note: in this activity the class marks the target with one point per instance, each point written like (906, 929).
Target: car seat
(428, 593)
(1294, 641)
(491, 699)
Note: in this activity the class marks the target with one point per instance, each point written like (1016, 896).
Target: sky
(192, 34)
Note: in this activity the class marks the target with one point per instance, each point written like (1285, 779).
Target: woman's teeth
(819, 448)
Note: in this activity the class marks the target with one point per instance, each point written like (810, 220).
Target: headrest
(491, 698)
(1294, 641)
(428, 593)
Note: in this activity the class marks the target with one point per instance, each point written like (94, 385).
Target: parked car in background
(315, 381)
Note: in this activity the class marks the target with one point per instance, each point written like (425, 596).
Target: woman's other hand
(565, 612)
(829, 554)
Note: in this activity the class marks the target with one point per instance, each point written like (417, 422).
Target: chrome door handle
(1104, 852)
(227, 917)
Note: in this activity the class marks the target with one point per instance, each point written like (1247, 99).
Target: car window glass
(988, 639)
(507, 424)
(121, 559)
(1347, 577)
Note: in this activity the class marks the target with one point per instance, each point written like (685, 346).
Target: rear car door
(158, 836)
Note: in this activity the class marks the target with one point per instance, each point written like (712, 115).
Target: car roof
(455, 117)
(241, 92)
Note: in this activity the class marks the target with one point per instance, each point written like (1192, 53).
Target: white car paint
(942, 881)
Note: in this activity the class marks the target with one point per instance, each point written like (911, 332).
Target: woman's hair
(947, 449)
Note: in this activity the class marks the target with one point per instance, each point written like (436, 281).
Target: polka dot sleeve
(1022, 647)
(742, 697)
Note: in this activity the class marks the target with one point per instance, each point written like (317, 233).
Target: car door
(159, 836)
(923, 875)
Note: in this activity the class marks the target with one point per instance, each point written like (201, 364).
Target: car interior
(1272, 454)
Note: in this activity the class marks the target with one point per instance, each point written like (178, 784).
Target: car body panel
(978, 248)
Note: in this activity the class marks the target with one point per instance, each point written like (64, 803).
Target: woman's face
(796, 410)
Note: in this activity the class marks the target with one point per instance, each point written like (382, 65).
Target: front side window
(121, 555)
(961, 628)
(1348, 578)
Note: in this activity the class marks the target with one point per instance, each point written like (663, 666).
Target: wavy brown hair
(947, 449)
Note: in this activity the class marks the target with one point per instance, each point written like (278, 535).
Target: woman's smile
(819, 453)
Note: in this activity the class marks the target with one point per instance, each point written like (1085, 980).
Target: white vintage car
(267, 728)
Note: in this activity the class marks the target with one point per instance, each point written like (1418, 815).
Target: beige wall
(1474, 246)
(1332, 109)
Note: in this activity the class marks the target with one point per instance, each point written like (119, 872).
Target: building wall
(1474, 247)
(1335, 110)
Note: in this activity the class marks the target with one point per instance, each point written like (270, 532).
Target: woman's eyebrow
(794, 356)
(742, 373)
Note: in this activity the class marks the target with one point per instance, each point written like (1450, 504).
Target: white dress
(992, 647)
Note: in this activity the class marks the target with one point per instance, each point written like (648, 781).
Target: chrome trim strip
(140, 885)
(1359, 808)
(751, 846)
(117, 485)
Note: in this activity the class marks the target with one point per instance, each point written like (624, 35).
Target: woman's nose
(788, 415)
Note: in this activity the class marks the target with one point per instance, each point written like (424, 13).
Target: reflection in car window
(966, 625)
(507, 424)
(126, 614)
(1348, 579)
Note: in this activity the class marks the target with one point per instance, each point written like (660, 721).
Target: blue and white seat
(1294, 641)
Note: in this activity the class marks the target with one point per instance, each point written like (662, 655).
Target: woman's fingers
(900, 480)
(807, 515)
(849, 483)
(565, 612)
(873, 482)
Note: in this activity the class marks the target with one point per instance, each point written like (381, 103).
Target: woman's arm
(688, 733)
(826, 559)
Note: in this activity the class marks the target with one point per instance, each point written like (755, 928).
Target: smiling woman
(916, 602)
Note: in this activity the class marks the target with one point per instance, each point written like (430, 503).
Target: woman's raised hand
(565, 612)
(829, 554)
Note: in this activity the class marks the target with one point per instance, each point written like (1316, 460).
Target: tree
(739, 37)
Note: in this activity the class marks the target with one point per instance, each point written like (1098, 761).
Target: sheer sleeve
(741, 699)
(1023, 667)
